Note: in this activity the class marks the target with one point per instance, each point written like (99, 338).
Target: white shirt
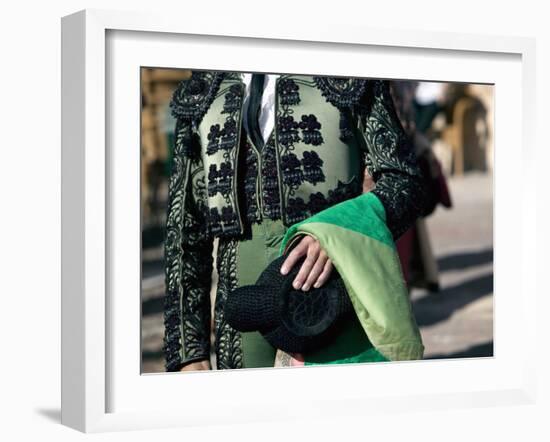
(429, 92)
(266, 118)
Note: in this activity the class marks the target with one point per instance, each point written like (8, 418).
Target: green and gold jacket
(327, 131)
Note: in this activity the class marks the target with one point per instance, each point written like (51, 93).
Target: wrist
(195, 364)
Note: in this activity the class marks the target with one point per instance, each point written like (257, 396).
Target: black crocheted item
(291, 320)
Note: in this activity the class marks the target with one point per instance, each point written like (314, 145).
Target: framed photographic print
(251, 215)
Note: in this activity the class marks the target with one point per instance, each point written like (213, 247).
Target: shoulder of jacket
(342, 92)
(192, 98)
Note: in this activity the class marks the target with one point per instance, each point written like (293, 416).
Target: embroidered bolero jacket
(327, 131)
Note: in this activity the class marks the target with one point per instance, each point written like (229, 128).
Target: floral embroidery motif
(287, 131)
(229, 135)
(220, 180)
(311, 130)
(214, 221)
(289, 95)
(291, 170)
(295, 172)
(229, 217)
(213, 139)
(193, 97)
(233, 98)
(312, 165)
(298, 210)
(226, 222)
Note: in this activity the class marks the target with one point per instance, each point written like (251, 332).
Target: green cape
(355, 236)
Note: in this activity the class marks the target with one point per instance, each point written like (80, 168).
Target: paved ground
(455, 322)
(458, 321)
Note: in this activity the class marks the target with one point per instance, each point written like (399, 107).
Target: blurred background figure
(414, 247)
(449, 266)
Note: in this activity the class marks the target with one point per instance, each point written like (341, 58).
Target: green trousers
(253, 256)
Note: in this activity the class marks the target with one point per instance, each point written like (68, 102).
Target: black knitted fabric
(291, 320)
(246, 311)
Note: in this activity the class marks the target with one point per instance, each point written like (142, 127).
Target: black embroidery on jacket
(343, 93)
(225, 138)
(313, 167)
(220, 180)
(225, 220)
(251, 183)
(188, 259)
(213, 139)
(297, 209)
(391, 160)
(311, 133)
(194, 96)
(228, 340)
(291, 169)
(287, 129)
(340, 91)
(289, 92)
(270, 181)
(294, 171)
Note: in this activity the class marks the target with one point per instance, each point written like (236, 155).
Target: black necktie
(255, 100)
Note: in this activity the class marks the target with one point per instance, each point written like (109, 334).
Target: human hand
(368, 182)
(315, 269)
(198, 365)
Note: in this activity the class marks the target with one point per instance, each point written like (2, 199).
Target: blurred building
(458, 119)
(157, 127)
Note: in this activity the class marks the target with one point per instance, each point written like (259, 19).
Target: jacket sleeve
(188, 257)
(390, 160)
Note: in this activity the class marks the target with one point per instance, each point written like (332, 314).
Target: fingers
(312, 256)
(327, 269)
(316, 270)
(296, 253)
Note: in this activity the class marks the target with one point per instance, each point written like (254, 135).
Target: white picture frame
(100, 389)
